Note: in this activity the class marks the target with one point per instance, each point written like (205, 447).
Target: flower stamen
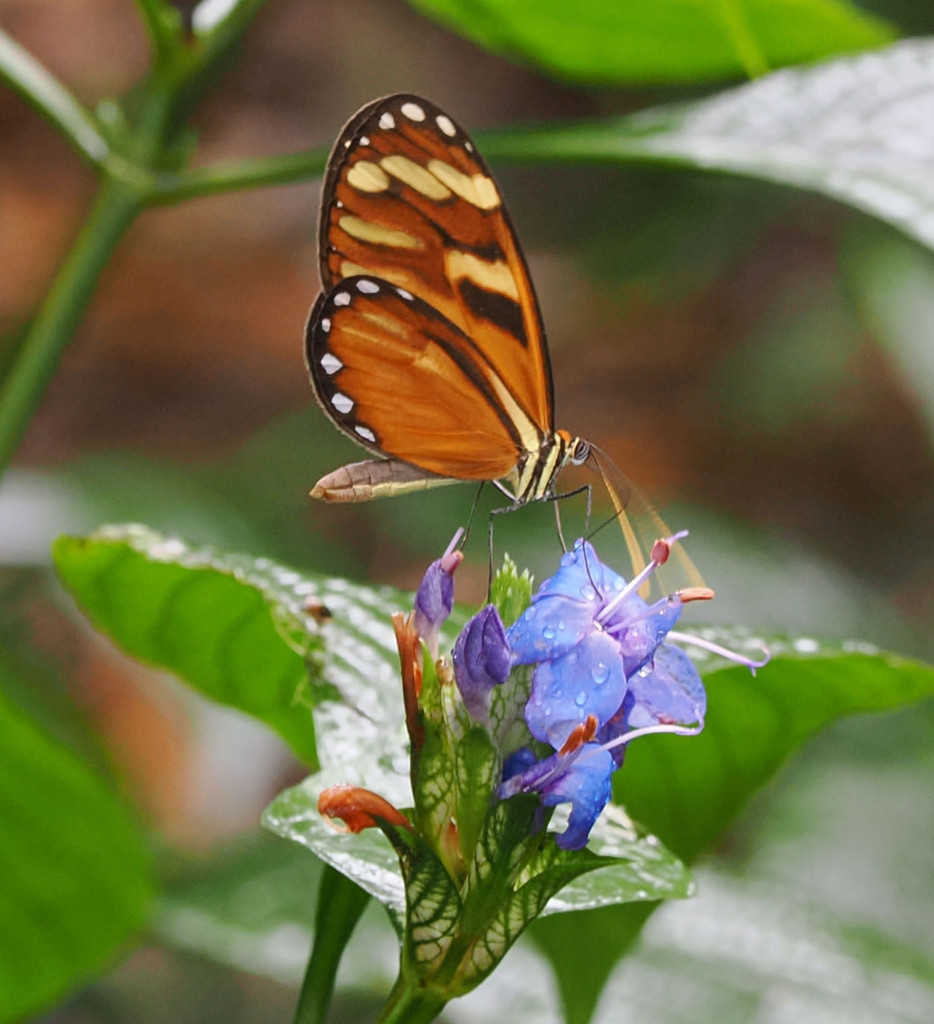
(708, 645)
(580, 734)
(661, 550)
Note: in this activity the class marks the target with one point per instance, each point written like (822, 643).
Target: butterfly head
(576, 449)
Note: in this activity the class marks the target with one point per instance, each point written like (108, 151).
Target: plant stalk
(64, 306)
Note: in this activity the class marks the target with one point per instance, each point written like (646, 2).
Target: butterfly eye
(579, 452)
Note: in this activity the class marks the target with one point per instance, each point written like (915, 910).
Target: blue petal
(668, 691)
(640, 628)
(586, 785)
(588, 680)
(562, 612)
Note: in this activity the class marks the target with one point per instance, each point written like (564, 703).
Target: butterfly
(426, 344)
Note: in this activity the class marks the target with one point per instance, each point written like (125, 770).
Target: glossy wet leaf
(638, 867)
(857, 129)
(663, 41)
(77, 880)
(247, 632)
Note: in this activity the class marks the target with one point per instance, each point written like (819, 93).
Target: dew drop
(548, 633)
(587, 592)
(581, 699)
(600, 673)
(562, 625)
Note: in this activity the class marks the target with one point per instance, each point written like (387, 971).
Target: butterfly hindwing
(408, 200)
(402, 380)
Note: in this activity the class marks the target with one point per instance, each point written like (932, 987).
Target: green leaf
(77, 880)
(664, 41)
(242, 631)
(689, 790)
(366, 857)
(478, 771)
(433, 905)
(858, 129)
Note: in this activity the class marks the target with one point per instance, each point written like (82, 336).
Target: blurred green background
(758, 360)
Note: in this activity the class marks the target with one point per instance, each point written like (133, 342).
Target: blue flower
(589, 633)
(603, 675)
(580, 777)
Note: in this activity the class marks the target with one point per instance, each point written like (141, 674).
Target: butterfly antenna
(636, 554)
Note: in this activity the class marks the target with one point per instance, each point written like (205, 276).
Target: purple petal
(482, 660)
(588, 680)
(435, 598)
(669, 691)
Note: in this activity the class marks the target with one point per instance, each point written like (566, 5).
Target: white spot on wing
(468, 145)
(402, 293)
(387, 121)
(367, 287)
(364, 141)
(366, 434)
(413, 111)
(341, 402)
(325, 324)
(446, 125)
(342, 299)
(331, 364)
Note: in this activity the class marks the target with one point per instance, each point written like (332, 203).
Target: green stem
(61, 311)
(227, 176)
(340, 904)
(411, 1006)
(31, 80)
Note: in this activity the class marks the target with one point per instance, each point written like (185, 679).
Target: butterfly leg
(473, 512)
(585, 488)
(496, 512)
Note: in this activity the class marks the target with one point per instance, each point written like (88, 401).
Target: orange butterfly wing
(408, 200)
(402, 380)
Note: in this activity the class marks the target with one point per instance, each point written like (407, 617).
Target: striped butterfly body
(426, 345)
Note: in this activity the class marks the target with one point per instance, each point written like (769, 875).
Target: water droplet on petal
(587, 592)
(600, 673)
(581, 699)
(548, 633)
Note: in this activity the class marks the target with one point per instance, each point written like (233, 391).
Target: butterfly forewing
(408, 200)
(401, 379)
